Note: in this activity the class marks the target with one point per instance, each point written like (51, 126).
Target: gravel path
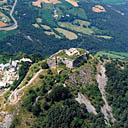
(102, 81)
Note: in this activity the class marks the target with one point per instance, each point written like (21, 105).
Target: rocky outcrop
(82, 99)
(106, 109)
(70, 63)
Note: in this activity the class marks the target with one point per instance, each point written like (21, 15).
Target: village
(9, 72)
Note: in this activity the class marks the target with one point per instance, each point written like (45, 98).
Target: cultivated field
(46, 27)
(73, 2)
(104, 36)
(112, 54)
(113, 1)
(36, 25)
(38, 2)
(98, 8)
(2, 24)
(69, 35)
(52, 33)
(3, 1)
(76, 28)
(82, 23)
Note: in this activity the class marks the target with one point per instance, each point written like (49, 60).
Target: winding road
(15, 25)
(14, 98)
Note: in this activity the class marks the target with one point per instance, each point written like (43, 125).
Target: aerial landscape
(63, 64)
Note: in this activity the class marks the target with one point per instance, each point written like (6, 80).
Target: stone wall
(77, 60)
(53, 61)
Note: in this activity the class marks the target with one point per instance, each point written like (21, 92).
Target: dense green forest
(56, 108)
(117, 89)
(29, 39)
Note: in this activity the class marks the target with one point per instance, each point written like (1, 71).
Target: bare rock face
(82, 99)
(8, 118)
(52, 62)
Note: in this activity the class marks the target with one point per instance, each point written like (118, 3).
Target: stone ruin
(70, 63)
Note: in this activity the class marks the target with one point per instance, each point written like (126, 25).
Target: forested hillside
(117, 89)
(40, 31)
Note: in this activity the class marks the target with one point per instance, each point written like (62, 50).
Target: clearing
(77, 28)
(112, 54)
(69, 35)
(73, 2)
(98, 8)
(46, 27)
(38, 2)
(104, 36)
(52, 33)
(2, 24)
(3, 1)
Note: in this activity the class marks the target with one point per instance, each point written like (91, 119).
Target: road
(14, 98)
(15, 25)
(102, 81)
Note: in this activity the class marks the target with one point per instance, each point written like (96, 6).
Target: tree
(44, 65)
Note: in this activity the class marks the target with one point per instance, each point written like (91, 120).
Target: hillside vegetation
(67, 26)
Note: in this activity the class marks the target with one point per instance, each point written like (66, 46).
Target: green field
(113, 55)
(4, 34)
(109, 1)
(76, 28)
(79, 12)
(113, 1)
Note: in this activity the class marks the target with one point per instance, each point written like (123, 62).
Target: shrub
(44, 65)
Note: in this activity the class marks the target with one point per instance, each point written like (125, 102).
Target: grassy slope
(113, 1)
(112, 54)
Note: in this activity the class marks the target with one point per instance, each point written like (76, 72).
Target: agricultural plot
(98, 8)
(78, 12)
(73, 27)
(73, 2)
(2, 24)
(36, 25)
(46, 27)
(104, 36)
(39, 2)
(3, 1)
(112, 54)
(52, 33)
(69, 35)
(108, 1)
(113, 1)
(47, 16)
(82, 23)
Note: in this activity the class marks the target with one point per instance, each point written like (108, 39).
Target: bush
(44, 65)
(41, 76)
(60, 93)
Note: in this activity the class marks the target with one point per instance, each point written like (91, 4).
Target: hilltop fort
(70, 58)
